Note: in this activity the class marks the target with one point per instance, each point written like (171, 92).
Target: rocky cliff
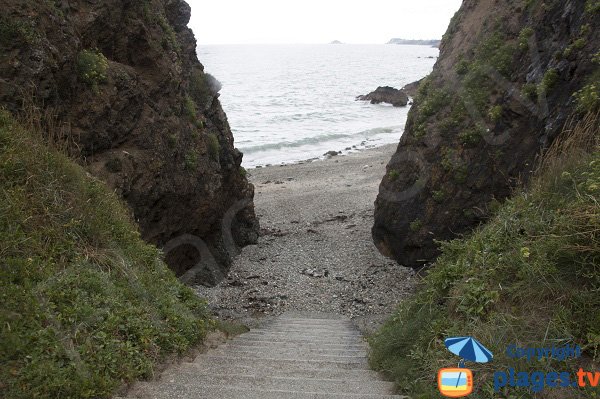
(508, 77)
(119, 83)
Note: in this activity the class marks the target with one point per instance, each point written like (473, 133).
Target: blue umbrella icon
(469, 349)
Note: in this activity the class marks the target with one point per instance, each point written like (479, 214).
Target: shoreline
(315, 252)
(355, 150)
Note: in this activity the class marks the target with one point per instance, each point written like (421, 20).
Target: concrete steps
(296, 356)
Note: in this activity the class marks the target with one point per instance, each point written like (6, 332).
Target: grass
(393, 174)
(214, 147)
(189, 107)
(530, 277)
(86, 304)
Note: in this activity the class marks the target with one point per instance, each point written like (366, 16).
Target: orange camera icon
(455, 382)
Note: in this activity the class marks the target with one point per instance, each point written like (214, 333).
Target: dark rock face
(412, 88)
(386, 94)
(508, 77)
(123, 85)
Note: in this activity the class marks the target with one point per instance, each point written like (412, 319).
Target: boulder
(386, 94)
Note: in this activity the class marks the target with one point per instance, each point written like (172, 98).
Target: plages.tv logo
(456, 382)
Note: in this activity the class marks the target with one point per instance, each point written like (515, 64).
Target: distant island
(336, 42)
(433, 42)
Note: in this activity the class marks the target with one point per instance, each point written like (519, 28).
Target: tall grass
(530, 277)
(85, 304)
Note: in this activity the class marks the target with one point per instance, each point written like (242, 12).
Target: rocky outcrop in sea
(386, 94)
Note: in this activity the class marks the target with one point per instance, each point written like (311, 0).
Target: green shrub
(462, 67)
(12, 31)
(530, 91)
(451, 163)
(549, 80)
(588, 99)
(424, 87)
(169, 40)
(576, 45)
(419, 131)
(495, 113)
(393, 175)
(448, 159)
(416, 225)
(191, 160)
(199, 88)
(92, 67)
(497, 52)
(243, 172)
(431, 103)
(579, 43)
(461, 173)
(524, 36)
(214, 148)
(585, 30)
(449, 125)
(470, 137)
(592, 6)
(439, 196)
(86, 304)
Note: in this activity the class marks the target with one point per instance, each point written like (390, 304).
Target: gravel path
(315, 252)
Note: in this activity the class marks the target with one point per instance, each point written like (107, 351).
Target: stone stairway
(296, 356)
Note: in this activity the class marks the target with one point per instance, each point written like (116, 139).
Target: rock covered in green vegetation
(529, 278)
(86, 304)
(121, 83)
(508, 76)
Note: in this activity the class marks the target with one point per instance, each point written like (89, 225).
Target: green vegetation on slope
(86, 304)
(529, 277)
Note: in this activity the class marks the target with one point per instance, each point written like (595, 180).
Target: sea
(288, 103)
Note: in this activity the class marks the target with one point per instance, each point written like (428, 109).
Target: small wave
(318, 139)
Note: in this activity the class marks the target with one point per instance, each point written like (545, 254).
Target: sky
(318, 21)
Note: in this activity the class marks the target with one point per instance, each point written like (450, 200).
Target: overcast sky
(318, 21)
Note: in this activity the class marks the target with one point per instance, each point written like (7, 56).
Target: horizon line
(311, 43)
